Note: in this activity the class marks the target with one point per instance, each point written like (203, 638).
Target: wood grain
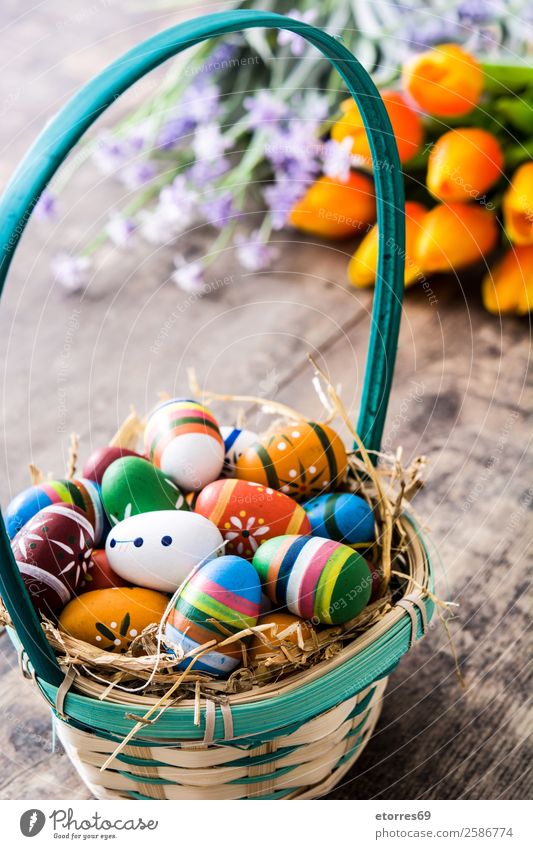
(461, 396)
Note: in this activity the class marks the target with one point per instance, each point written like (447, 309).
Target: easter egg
(316, 578)
(111, 618)
(53, 553)
(342, 516)
(301, 460)
(285, 628)
(182, 438)
(133, 485)
(102, 458)
(81, 492)
(100, 575)
(236, 441)
(158, 550)
(227, 590)
(248, 513)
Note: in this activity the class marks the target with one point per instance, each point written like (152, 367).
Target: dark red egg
(100, 459)
(53, 553)
(100, 575)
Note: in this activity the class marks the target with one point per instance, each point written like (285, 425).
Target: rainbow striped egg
(80, 492)
(227, 590)
(183, 439)
(342, 516)
(317, 579)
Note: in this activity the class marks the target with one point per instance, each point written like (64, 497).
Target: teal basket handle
(64, 131)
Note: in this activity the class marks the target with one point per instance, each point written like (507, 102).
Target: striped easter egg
(341, 516)
(80, 492)
(247, 514)
(317, 579)
(236, 441)
(226, 590)
(183, 439)
(53, 554)
(301, 460)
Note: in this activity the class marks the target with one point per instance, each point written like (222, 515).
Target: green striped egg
(318, 579)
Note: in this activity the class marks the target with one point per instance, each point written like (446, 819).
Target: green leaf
(503, 77)
(515, 111)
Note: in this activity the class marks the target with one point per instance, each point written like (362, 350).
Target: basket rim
(369, 657)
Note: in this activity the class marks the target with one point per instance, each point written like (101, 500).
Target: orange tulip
(455, 235)
(446, 81)
(518, 206)
(508, 287)
(363, 265)
(464, 164)
(406, 125)
(336, 210)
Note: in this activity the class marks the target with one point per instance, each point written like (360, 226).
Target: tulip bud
(406, 125)
(363, 265)
(334, 209)
(508, 287)
(464, 164)
(518, 206)
(455, 235)
(446, 81)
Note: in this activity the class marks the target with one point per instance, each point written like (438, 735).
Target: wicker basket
(298, 737)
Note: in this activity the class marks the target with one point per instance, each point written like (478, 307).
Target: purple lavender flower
(474, 11)
(338, 158)
(46, 206)
(219, 58)
(281, 197)
(312, 106)
(189, 276)
(264, 108)
(296, 42)
(71, 271)
(137, 174)
(203, 173)
(294, 152)
(174, 131)
(218, 209)
(120, 230)
(174, 212)
(252, 252)
(209, 143)
(202, 101)
(110, 153)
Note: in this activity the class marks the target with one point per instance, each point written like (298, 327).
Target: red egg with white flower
(248, 513)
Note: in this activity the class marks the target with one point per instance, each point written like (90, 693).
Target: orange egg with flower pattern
(301, 460)
(248, 513)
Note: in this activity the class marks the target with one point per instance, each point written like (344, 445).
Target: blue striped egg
(226, 590)
(236, 442)
(80, 492)
(341, 516)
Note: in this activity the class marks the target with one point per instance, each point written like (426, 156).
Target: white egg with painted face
(158, 550)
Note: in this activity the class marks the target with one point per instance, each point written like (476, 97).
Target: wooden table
(460, 397)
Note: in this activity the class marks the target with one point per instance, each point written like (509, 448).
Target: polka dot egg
(225, 590)
(111, 618)
(301, 460)
(317, 579)
(183, 439)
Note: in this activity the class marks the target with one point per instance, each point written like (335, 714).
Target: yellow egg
(110, 619)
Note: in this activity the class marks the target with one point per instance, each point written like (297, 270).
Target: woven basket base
(305, 764)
